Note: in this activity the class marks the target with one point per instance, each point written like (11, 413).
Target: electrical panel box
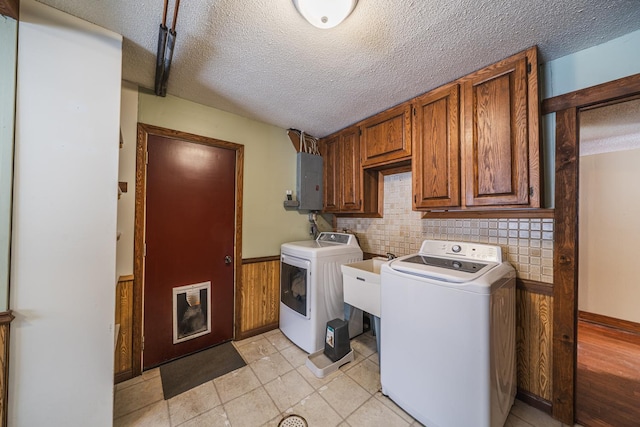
(309, 183)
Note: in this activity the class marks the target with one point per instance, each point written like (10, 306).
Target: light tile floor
(276, 382)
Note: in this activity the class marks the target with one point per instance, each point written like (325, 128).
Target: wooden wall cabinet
(473, 144)
(436, 148)
(329, 149)
(350, 171)
(348, 188)
(501, 137)
(386, 137)
(342, 171)
(494, 134)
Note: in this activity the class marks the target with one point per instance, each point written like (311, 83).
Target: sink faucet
(390, 256)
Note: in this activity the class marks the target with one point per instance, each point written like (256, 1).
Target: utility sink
(361, 281)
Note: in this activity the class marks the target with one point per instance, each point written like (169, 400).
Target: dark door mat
(198, 368)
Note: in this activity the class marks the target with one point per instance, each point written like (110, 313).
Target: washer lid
(442, 269)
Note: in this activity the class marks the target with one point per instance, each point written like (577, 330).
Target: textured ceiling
(262, 60)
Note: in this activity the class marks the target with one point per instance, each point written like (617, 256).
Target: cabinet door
(436, 149)
(331, 180)
(350, 171)
(386, 137)
(501, 137)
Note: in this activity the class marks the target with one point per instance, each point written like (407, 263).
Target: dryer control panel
(341, 238)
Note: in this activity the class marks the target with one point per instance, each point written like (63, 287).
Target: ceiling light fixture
(325, 13)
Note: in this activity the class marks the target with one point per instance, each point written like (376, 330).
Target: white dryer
(311, 291)
(448, 334)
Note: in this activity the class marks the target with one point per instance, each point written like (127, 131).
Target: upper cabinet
(342, 172)
(386, 137)
(331, 175)
(476, 141)
(436, 148)
(349, 189)
(350, 172)
(501, 138)
(473, 144)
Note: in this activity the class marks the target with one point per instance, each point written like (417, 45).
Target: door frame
(144, 130)
(565, 241)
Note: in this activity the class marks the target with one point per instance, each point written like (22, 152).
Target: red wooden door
(189, 230)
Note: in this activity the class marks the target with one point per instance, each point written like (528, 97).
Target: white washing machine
(448, 334)
(311, 291)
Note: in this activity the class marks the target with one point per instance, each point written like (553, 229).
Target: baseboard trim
(610, 322)
(260, 259)
(256, 331)
(123, 376)
(534, 286)
(6, 317)
(534, 401)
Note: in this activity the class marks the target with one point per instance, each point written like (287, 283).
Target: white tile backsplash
(526, 243)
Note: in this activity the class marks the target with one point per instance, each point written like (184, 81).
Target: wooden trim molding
(144, 130)
(567, 108)
(497, 213)
(138, 248)
(565, 265)
(533, 400)
(610, 322)
(123, 357)
(603, 93)
(6, 317)
(5, 328)
(10, 8)
(261, 259)
(257, 331)
(534, 287)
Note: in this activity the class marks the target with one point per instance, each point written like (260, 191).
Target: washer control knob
(456, 248)
(457, 265)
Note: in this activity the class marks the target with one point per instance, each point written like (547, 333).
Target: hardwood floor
(608, 377)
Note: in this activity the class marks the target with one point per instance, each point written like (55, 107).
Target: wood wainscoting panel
(5, 323)
(123, 364)
(534, 320)
(4, 371)
(259, 296)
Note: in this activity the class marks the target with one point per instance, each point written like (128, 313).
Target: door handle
(227, 259)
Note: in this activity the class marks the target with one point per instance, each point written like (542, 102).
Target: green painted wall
(269, 167)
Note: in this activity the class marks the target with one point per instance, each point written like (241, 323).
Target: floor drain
(293, 421)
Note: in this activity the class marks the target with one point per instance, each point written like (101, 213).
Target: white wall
(609, 211)
(127, 173)
(64, 232)
(609, 234)
(8, 52)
